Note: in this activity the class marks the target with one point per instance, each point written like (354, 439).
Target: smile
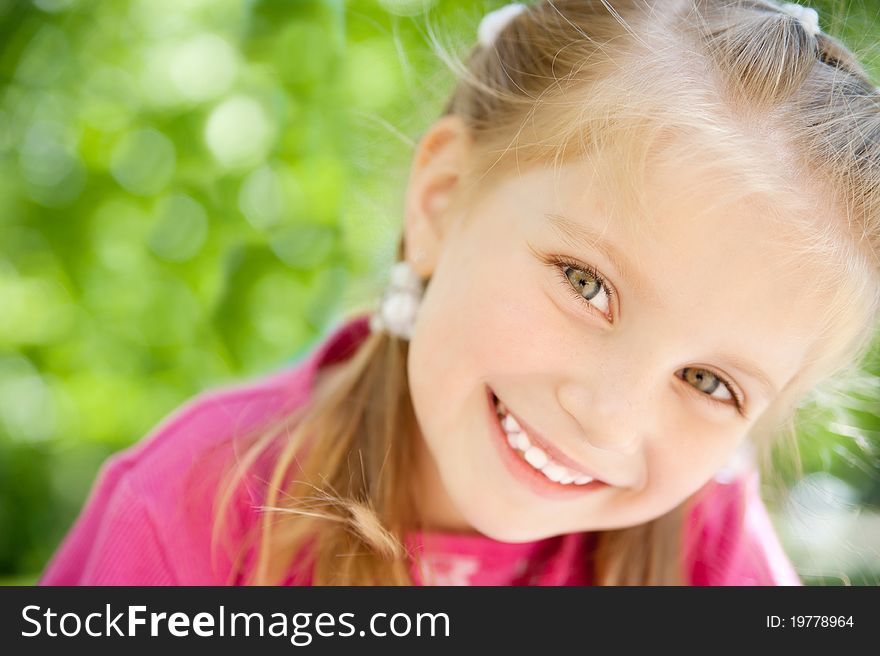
(530, 463)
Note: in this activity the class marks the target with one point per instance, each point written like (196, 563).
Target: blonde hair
(625, 81)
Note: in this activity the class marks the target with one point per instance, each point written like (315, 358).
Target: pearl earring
(400, 302)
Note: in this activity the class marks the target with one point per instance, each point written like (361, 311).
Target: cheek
(687, 458)
(487, 313)
(517, 321)
(474, 328)
(443, 364)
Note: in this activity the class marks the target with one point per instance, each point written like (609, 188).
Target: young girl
(640, 233)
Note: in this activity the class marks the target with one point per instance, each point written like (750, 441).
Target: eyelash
(738, 402)
(560, 263)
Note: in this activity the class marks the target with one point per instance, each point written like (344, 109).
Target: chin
(498, 526)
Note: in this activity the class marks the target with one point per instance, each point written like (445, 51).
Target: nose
(610, 416)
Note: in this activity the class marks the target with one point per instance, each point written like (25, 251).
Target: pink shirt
(148, 518)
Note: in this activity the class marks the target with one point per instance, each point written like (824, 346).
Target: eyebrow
(577, 235)
(755, 372)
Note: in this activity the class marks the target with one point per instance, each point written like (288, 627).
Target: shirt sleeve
(737, 544)
(113, 541)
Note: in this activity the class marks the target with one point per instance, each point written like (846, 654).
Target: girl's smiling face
(644, 358)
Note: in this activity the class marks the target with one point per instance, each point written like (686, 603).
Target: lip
(527, 474)
(551, 449)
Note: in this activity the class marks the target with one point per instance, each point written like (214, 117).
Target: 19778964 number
(809, 621)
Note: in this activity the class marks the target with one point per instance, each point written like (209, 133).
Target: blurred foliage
(191, 191)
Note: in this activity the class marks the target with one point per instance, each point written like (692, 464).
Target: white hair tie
(495, 21)
(809, 18)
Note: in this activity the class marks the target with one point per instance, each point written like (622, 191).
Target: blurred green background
(193, 191)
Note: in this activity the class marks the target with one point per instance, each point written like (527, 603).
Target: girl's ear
(438, 165)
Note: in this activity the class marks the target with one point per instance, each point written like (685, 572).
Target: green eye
(708, 382)
(588, 286)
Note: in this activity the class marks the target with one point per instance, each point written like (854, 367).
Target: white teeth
(510, 424)
(553, 471)
(513, 439)
(536, 457)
